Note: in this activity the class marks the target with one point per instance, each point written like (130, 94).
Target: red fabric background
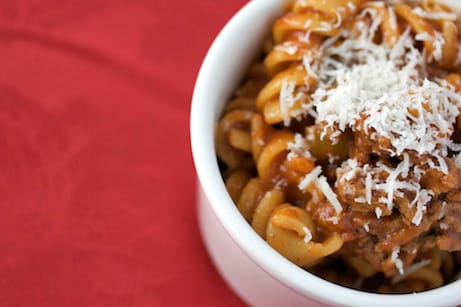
(97, 184)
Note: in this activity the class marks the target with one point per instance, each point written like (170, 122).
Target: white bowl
(256, 272)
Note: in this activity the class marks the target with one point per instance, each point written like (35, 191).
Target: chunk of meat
(450, 238)
(365, 248)
(438, 182)
(351, 190)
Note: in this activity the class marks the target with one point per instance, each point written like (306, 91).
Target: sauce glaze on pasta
(342, 147)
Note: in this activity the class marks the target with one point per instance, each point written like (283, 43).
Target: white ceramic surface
(257, 273)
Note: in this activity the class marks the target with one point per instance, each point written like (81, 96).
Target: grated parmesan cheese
(309, 178)
(437, 42)
(298, 148)
(333, 219)
(286, 100)
(308, 234)
(306, 37)
(310, 64)
(392, 18)
(339, 19)
(366, 226)
(288, 48)
(352, 164)
(372, 80)
(434, 15)
(424, 197)
(281, 183)
(410, 270)
(360, 200)
(378, 212)
(351, 6)
(325, 26)
(323, 185)
(307, 24)
(378, 4)
(332, 158)
(396, 261)
(443, 211)
(368, 188)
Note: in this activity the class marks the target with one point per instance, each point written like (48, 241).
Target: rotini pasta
(342, 149)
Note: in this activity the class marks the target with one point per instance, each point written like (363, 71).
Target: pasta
(342, 149)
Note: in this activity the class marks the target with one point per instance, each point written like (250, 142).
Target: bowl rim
(202, 124)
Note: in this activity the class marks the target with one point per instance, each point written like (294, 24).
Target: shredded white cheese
(443, 211)
(339, 19)
(351, 6)
(310, 64)
(384, 84)
(309, 178)
(352, 164)
(410, 270)
(298, 148)
(360, 200)
(438, 43)
(395, 259)
(307, 24)
(368, 188)
(424, 197)
(378, 212)
(281, 183)
(333, 219)
(392, 18)
(366, 226)
(307, 234)
(444, 226)
(434, 15)
(288, 48)
(332, 158)
(325, 26)
(323, 185)
(287, 100)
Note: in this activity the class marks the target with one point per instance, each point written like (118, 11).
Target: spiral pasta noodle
(342, 147)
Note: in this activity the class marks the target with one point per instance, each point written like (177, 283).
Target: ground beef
(450, 227)
(381, 261)
(438, 182)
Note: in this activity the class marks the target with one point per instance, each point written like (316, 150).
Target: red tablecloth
(97, 186)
